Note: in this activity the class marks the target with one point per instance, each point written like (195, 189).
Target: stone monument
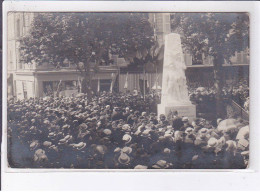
(174, 87)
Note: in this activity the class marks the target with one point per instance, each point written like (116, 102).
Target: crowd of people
(119, 131)
(204, 97)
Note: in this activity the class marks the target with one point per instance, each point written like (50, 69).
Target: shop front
(64, 83)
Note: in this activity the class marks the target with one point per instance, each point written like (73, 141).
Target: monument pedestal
(175, 96)
(187, 110)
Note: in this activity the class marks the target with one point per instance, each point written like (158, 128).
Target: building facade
(161, 24)
(30, 81)
(201, 72)
(18, 26)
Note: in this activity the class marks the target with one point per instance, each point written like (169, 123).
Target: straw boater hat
(212, 142)
(75, 121)
(167, 135)
(100, 149)
(62, 141)
(123, 158)
(68, 137)
(140, 167)
(203, 131)
(169, 127)
(146, 133)
(60, 134)
(231, 145)
(32, 128)
(189, 130)
(127, 150)
(185, 119)
(117, 150)
(160, 164)
(245, 153)
(39, 152)
(161, 129)
(40, 156)
(52, 135)
(34, 145)
(65, 126)
(81, 145)
(126, 127)
(46, 121)
(166, 151)
(107, 131)
(47, 144)
(55, 148)
(161, 138)
(127, 138)
(119, 126)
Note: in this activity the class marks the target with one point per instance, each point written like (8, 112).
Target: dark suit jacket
(177, 123)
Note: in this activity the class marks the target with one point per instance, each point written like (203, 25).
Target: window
(239, 57)
(197, 59)
(66, 63)
(71, 85)
(48, 88)
(24, 89)
(18, 28)
(10, 57)
(14, 88)
(105, 84)
(27, 20)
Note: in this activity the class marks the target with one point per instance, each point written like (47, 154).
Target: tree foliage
(85, 38)
(149, 60)
(216, 34)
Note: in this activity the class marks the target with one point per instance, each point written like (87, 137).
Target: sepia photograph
(128, 90)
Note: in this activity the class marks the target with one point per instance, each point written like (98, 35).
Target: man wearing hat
(176, 121)
(116, 114)
(162, 121)
(186, 124)
(126, 113)
(153, 118)
(40, 159)
(229, 158)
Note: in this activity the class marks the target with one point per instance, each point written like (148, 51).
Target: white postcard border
(149, 179)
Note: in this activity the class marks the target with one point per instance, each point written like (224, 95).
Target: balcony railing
(47, 67)
(239, 58)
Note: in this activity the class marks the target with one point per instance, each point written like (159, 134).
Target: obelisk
(174, 86)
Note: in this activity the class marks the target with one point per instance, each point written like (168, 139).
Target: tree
(213, 34)
(86, 40)
(148, 61)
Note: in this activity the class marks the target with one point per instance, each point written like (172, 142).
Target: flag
(126, 81)
(139, 55)
(143, 86)
(98, 89)
(113, 75)
(79, 86)
(58, 89)
(147, 81)
(155, 87)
